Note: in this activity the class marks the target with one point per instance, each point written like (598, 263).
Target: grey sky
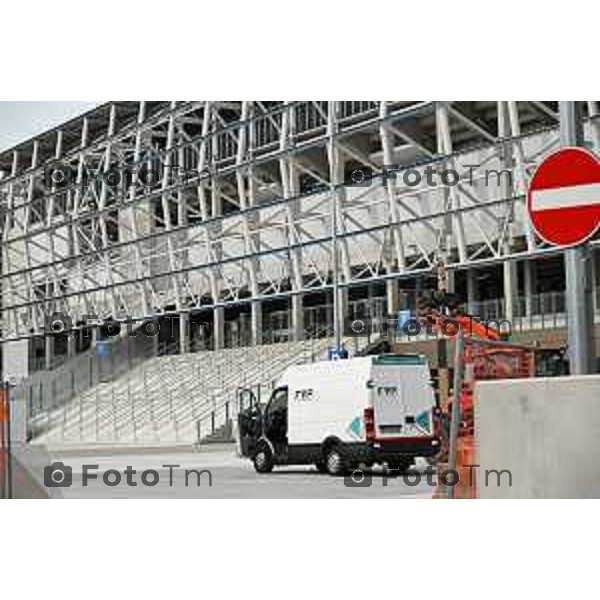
(22, 120)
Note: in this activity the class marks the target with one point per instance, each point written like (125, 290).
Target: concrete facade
(546, 432)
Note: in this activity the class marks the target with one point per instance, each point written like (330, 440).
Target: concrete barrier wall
(546, 432)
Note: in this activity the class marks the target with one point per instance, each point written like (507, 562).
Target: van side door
(276, 418)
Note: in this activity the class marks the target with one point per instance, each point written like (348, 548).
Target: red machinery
(483, 356)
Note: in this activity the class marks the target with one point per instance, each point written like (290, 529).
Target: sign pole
(459, 346)
(580, 321)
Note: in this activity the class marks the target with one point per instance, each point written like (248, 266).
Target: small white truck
(338, 414)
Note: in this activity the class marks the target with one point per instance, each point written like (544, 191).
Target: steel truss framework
(247, 194)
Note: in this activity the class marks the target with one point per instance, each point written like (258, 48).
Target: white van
(337, 414)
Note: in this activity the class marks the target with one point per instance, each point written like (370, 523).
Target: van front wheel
(263, 460)
(335, 462)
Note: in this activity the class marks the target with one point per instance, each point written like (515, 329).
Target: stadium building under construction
(232, 224)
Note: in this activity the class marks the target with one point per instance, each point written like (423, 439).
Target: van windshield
(279, 400)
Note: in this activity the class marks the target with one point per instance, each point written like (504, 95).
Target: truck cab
(338, 414)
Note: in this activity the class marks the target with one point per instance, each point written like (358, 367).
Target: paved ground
(232, 477)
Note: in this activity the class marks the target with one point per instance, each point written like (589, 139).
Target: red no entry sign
(564, 197)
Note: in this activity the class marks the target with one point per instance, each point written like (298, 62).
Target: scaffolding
(140, 209)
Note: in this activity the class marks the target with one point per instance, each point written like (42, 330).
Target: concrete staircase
(177, 399)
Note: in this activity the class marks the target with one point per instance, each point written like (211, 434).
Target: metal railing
(163, 398)
(84, 371)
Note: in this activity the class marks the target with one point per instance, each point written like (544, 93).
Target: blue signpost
(403, 317)
(102, 348)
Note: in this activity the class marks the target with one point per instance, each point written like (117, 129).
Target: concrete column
(256, 324)
(72, 344)
(450, 278)
(392, 297)
(155, 344)
(18, 420)
(184, 333)
(343, 308)
(218, 327)
(49, 351)
(529, 285)
(297, 318)
(510, 289)
(15, 360)
(472, 291)
(596, 280)
(404, 297)
(510, 280)
(238, 328)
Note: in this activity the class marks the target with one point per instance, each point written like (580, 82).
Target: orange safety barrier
(3, 441)
(466, 486)
(439, 493)
(465, 455)
(3, 418)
